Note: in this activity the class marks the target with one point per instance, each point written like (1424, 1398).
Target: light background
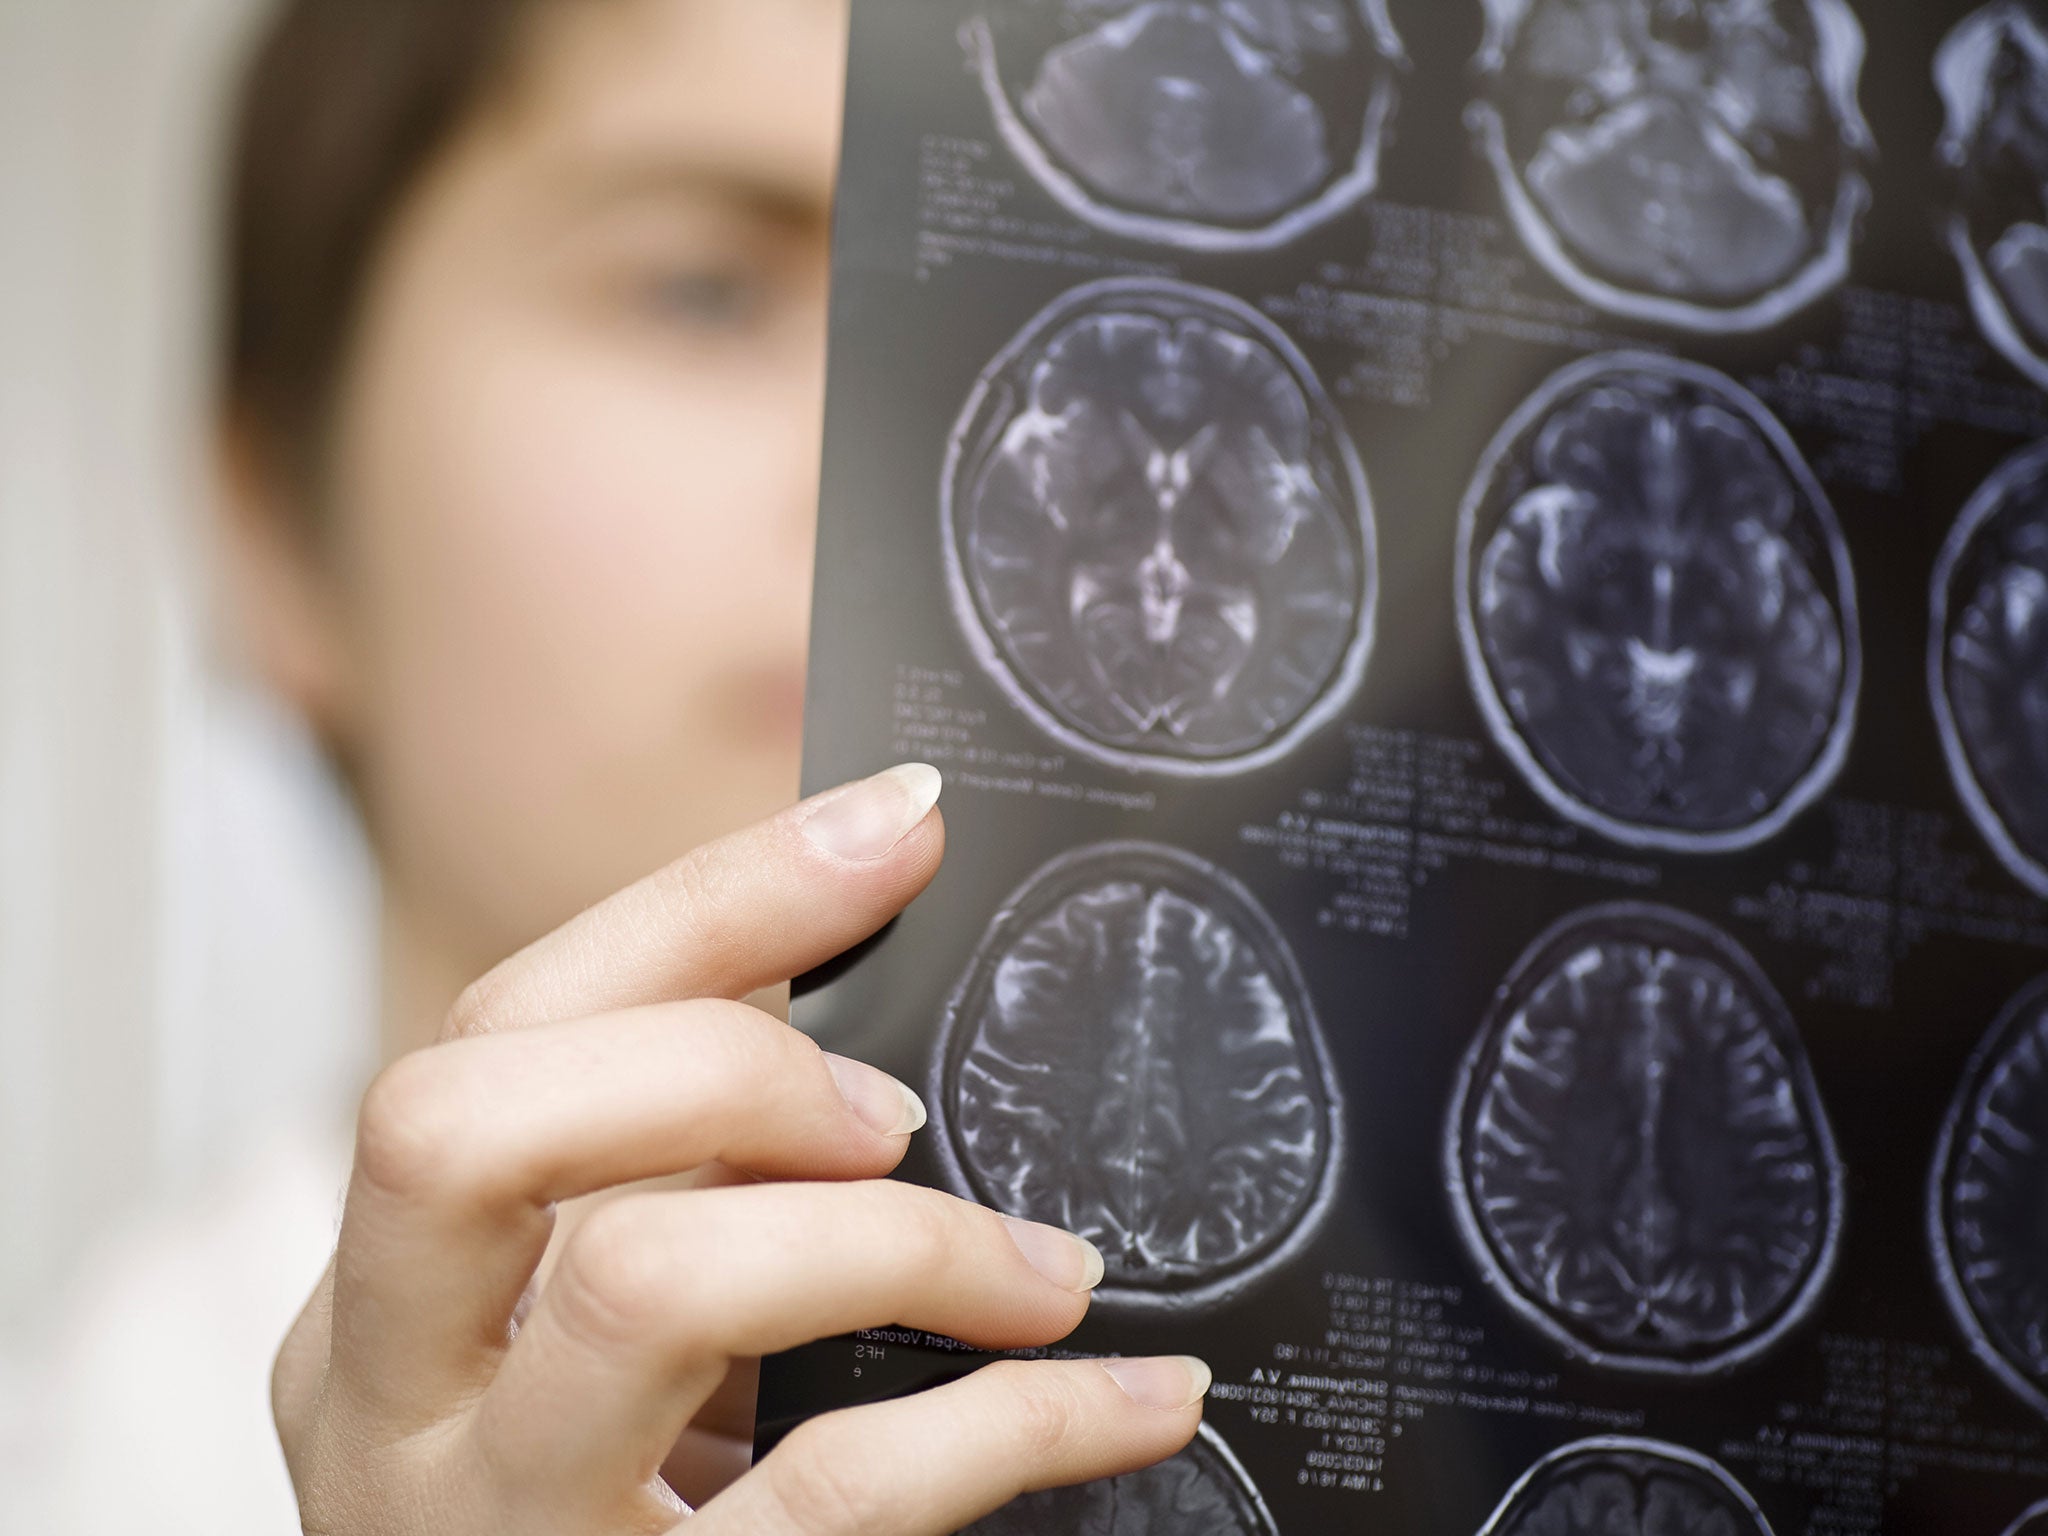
(186, 913)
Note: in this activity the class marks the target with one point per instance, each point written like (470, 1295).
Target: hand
(445, 1379)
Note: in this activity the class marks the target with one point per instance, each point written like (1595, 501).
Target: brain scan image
(1988, 662)
(1132, 1055)
(1992, 72)
(1210, 125)
(1639, 1158)
(1620, 1487)
(1658, 609)
(1158, 534)
(2033, 1523)
(1201, 1492)
(1988, 1205)
(1691, 163)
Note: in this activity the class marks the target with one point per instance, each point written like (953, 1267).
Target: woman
(523, 396)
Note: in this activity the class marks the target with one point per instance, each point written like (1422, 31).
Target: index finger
(744, 913)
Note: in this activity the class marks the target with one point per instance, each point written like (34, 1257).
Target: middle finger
(464, 1150)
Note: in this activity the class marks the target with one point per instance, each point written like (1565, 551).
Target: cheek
(658, 523)
(573, 561)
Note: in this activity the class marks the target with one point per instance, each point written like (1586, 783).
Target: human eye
(718, 298)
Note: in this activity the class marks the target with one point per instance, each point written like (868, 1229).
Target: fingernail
(867, 820)
(1069, 1262)
(1170, 1382)
(879, 1099)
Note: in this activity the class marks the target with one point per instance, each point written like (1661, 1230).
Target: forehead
(755, 85)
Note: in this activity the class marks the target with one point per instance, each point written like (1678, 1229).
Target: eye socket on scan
(1693, 163)
(1203, 124)
(1992, 72)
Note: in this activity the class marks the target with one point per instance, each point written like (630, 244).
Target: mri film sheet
(1477, 573)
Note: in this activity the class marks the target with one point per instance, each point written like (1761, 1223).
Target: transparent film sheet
(1478, 574)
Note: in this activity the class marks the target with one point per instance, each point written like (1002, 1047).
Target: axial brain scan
(1658, 609)
(1696, 163)
(1158, 533)
(1990, 662)
(1132, 1056)
(1641, 1162)
(1201, 1492)
(1990, 1193)
(1993, 76)
(1205, 124)
(1628, 1488)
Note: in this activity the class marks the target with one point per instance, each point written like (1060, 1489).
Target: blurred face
(576, 463)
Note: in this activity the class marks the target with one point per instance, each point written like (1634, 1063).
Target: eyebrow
(776, 191)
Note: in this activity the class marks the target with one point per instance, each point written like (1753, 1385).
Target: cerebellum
(1697, 164)
(1208, 125)
(1992, 71)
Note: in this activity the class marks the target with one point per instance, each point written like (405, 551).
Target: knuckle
(691, 892)
(414, 1133)
(617, 1286)
(824, 1485)
(750, 1037)
(924, 1226)
(1048, 1413)
(742, 1058)
(475, 1010)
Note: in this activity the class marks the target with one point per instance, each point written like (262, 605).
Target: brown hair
(345, 103)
